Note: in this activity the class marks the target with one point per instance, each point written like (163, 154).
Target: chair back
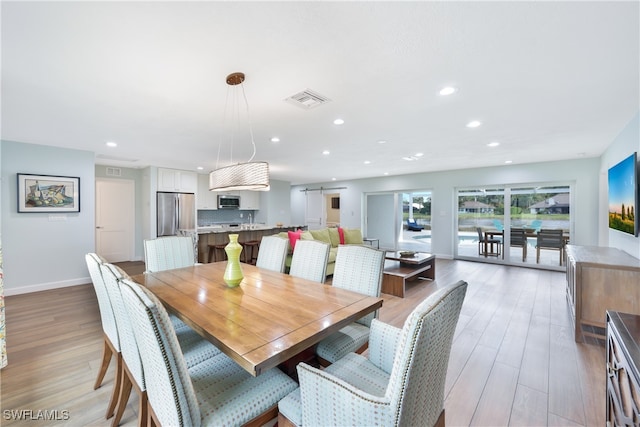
(107, 316)
(480, 234)
(551, 239)
(309, 260)
(129, 348)
(417, 380)
(518, 237)
(272, 253)
(166, 253)
(359, 269)
(169, 388)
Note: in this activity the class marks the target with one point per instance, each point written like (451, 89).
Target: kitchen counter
(219, 234)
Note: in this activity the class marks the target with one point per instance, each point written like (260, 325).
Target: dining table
(266, 320)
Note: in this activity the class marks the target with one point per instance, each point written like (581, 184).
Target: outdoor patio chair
(412, 225)
(486, 244)
(550, 239)
(519, 239)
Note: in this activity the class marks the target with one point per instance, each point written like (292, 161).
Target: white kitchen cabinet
(207, 200)
(177, 180)
(249, 200)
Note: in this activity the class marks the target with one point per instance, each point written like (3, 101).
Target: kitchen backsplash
(224, 216)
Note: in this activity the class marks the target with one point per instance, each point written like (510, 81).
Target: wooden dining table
(268, 319)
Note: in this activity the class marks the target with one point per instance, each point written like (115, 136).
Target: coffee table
(398, 270)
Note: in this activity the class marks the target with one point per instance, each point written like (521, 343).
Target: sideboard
(600, 279)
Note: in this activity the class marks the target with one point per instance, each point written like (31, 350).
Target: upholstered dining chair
(194, 348)
(272, 253)
(486, 244)
(111, 340)
(519, 239)
(550, 239)
(215, 392)
(358, 269)
(166, 253)
(309, 260)
(401, 383)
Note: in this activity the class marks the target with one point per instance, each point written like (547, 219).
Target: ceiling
(548, 81)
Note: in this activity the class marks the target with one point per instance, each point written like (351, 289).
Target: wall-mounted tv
(623, 195)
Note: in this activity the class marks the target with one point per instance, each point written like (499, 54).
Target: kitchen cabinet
(623, 378)
(177, 180)
(249, 200)
(600, 279)
(207, 200)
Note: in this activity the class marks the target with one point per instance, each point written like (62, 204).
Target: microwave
(228, 202)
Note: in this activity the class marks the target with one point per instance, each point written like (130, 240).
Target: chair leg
(116, 387)
(440, 421)
(143, 406)
(284, 421)
(106, 358)
(123, 396)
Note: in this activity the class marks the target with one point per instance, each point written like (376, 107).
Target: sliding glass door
(513, 224)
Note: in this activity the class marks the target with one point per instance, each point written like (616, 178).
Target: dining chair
(272, 253)
(216, 391)
(166, 253)
(358, 269)
(111, 339)
(194, 348)
(550, 239)
(309, 260)
(519, 239)
(485, 244)
(400, 383)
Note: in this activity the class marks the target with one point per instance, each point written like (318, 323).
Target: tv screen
(623, 196)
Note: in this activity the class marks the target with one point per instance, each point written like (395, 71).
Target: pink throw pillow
(341, 234)
(294, 236)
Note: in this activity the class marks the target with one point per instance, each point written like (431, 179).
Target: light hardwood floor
(513, 361)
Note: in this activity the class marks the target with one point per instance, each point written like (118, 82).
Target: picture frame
(48, 193)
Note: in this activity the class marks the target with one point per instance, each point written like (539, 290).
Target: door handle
(99, 227)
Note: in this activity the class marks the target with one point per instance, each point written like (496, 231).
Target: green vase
(233, 273)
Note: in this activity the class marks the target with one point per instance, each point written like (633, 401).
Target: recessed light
(419, 154)
(326, 152)
(382, 141)
(111, 144)
(338, 122)
(473, 124)
(275, 139)
(448, 90)
(493, 144)
(386, 173)
(409, 158)
(367, 162)
(333, 179)
(200, 168)
(508, 162)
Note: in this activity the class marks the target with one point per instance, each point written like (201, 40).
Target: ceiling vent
(114, 171)
(307, 99)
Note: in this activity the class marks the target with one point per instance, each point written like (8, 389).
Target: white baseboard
(8, 291)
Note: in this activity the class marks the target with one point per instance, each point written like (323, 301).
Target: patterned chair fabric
(272, 253)
(358, 269)
(309, 260)
(216, 391)
(166, 253)
(401, 383)
(111, 338)
(194, 347)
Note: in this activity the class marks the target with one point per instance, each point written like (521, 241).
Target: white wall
(39, 253)
(275, 204)
(583, 174)
(625, 143)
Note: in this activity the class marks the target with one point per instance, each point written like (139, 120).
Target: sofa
(335, 236)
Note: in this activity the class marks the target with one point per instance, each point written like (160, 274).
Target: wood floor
(513, 361)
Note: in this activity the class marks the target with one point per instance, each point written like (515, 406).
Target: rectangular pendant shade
(241, 176)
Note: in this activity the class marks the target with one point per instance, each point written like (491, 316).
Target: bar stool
(251, 249)
(216, 252)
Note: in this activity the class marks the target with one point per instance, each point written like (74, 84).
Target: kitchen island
(219, 235)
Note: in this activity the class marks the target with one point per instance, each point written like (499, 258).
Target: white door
(115, 212)
(315, 213)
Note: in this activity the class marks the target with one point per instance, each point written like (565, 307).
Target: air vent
(114, 171)
(307, 99)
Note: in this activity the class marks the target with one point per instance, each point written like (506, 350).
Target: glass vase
(233, 273)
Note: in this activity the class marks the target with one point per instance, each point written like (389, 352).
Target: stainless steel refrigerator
(176, 211)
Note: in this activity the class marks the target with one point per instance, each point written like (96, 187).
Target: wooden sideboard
(600, 279)
(623, 361)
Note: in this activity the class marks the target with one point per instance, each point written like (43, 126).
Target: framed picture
(46, 193)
